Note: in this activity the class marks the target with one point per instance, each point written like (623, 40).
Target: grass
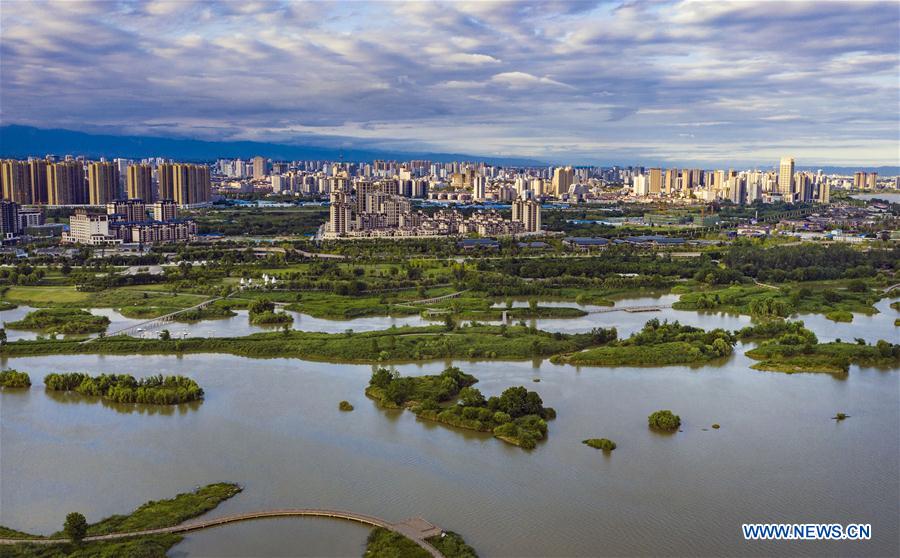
(831, 358)
(152, 515)
(13, 379)
(391, 345)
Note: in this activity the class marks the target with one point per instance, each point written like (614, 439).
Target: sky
(568, 82)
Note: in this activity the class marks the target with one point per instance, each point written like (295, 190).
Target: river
(273, 426)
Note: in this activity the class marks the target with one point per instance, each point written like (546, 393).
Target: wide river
(273, 426)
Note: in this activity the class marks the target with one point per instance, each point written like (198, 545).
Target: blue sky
(583, 82)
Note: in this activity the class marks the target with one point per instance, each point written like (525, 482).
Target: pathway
(416, 529)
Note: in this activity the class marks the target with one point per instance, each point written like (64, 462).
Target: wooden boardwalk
(651, 308)
(416, 529)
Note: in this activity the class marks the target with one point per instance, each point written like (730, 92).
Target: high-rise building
(340, 213)
(103, 182)
(563, 178)
(260, 169)
(859, 180)
(66, 184)
(786, 178)
(37, 177)
(527, 212)
(185, 183)
(164, 210)
(16, 186)
(140, 182)
(670, 182)
(872, 180)
(655, 181)
(9, 220)
(132, 211)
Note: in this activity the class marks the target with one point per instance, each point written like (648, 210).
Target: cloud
(570, 81)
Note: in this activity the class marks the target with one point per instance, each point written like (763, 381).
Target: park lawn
(46, 296)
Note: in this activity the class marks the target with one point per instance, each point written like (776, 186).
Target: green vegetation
(664, 420)
(604, 444)
(840, 416)
(517, 416)
(75, 527)
(657, 344)
(13, 379)
(61, 320)
(383, 543)
(152, 515)
(391, 345)
(6, 305)
(840, 316)
(123, 388)
(789, 347)
(766, 302)
(786, 354)
(345, 406)
(716, 426)
(262, 312)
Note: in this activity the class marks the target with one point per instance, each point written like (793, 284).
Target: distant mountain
(23, 141)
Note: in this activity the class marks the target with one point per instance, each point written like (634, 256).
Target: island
(789, 347)
(657, 344)
(124, 388)
(152, 515)
(604, 444)
(664, 420)
(66, 321)
(13, 379)
(517, 416)
(386, 543)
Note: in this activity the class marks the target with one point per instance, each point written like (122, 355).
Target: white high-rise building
(786, 178)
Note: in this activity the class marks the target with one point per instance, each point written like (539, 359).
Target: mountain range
(19, 141)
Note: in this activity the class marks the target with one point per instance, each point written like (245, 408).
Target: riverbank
(392, 345)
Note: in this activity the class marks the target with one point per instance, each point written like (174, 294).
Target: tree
(2, 335)
(75, 527)
(471, 397)
(165, 335)
(664, 420)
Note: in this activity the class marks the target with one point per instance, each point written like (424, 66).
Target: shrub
(345, 406)
(604, 444)
(664, 420)
(14, 379)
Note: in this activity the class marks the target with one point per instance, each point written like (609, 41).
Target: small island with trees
(124, 388)
(517, 416)
(789, 347)
(604, 444)
(13, 379)
(664, 420)
(657, 344)
(66, 321)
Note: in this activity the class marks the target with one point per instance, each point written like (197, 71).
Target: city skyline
(581, 83)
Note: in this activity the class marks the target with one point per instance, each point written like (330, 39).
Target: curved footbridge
(416, 529)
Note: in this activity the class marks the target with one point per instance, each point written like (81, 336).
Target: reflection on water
(73, 398)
